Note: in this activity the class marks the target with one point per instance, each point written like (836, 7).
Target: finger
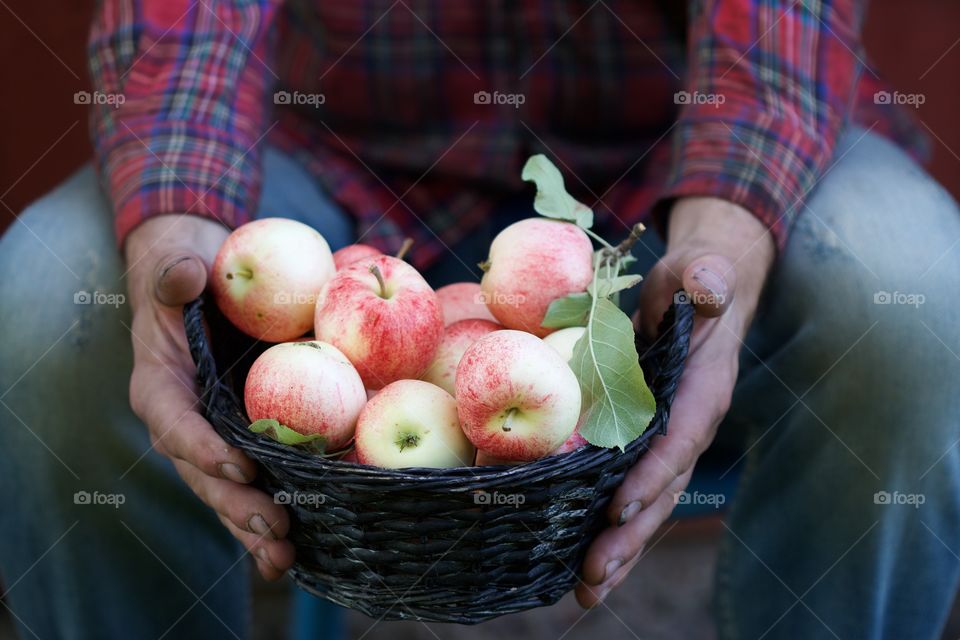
(617, 549)
(179, 431)
(710, 281)
(249, 509)
(180, 278)
(273, 557)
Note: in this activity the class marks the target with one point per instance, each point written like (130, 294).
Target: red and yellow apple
(384, 316)
(309, 387)
(266, 277)
(351, 253)
(463, 301)
(532, 263)
(516, 397)
(412, 423)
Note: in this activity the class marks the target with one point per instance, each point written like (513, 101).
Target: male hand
(720, 254)
(168, 258)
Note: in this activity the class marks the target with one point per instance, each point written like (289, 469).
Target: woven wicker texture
(451, 545)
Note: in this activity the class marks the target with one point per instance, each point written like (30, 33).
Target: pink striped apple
(351, 253)
(463, 301)
(456, 339)
(384, 316)
(516, 397)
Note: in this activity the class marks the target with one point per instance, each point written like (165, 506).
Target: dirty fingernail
(231, 471)
(258, 525)
(711, 280)
(629, 511)
(265, 557)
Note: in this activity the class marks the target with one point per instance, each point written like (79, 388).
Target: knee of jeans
(63, 305)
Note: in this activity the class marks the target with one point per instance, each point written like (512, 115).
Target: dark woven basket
(449, 545)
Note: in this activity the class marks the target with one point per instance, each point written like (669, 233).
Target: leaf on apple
(552, 199)
(570, 311)
(619, 405)
(285, 435)
(604, 287)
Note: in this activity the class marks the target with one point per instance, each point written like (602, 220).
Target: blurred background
(43, 138)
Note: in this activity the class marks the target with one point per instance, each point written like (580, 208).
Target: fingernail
(265, 557)
(713, 281)
(231, 471)
(628, 512)
(258, 525)
(611, 569)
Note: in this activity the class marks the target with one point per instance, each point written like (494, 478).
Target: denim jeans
(845, 522)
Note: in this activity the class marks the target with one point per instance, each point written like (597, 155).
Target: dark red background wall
(43, 134)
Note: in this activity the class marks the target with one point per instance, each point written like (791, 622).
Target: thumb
(179, 278)
(710, 281)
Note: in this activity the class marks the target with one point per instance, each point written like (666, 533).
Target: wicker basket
(450, 545)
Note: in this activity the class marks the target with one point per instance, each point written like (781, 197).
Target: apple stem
(375, 270)
(484, 266)
(240, 273)
(509, 419)
(404, 248)
(613, 255)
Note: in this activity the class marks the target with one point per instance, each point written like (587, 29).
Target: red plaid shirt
(417, 116)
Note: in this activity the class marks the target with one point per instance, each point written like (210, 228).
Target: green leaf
(285, 435)
(604, 287)
(571, 311)
(552, 199)
(619, 405)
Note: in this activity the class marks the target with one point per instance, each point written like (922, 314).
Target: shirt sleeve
(769, 86)
(179, 106)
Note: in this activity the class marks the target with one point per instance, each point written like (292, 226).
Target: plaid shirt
(417, 116)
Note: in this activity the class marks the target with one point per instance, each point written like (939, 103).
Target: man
(762, 153)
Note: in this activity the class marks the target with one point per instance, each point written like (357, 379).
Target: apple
(412, 423)
(516, 397)
(574, 442)
(309, 387)
(563, 341)
(384, 316)
(351, 253)
(532, 263)
(266, 277)
(462, 301)
(456, 339)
